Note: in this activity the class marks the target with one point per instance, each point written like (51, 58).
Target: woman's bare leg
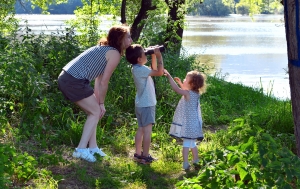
(92, 108)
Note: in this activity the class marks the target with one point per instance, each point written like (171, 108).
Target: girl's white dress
(188, 116)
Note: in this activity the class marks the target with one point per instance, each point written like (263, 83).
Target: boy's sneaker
(98, 151)
(186, 165)
(148, 160)
(84, 154)
(137, 158)
(196, 164)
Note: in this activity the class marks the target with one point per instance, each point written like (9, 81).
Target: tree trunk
(175, 24)
(123, 12)
(137, 26)
(291, 16)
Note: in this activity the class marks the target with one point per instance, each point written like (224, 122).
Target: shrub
(242, 8)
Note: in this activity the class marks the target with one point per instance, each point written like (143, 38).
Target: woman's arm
(113, 58)
(101, 83)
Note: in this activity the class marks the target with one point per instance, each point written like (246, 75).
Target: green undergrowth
(249, 141)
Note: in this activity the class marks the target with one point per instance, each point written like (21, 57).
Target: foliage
(44, 4)
(7, 21)
(254, 6)
(15, 166)
(260, 6)
(25, 7)
(29, 70)
(87, 21)
(211, 8)
(242, 8)
(155, 26)
(36, 122)
(252, 159)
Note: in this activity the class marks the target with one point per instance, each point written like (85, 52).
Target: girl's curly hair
(197, 81)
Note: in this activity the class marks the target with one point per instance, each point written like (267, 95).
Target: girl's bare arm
(175, 86)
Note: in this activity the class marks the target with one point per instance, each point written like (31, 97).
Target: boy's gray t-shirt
(145, 95)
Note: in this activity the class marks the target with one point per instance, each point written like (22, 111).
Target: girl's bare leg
(195, 155)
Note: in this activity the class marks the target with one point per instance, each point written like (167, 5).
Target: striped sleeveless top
(89, 64)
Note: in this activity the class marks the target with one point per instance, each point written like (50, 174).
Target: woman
(97, 62)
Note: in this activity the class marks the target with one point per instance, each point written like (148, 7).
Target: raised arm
(175, 86)
(160, 65)
(153, 62)
(178, 80)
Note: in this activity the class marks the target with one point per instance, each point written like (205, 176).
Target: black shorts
(72, 88)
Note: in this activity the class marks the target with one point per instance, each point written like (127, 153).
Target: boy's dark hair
(133, 52)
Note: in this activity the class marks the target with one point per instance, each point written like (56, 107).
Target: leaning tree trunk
(138, 25)
(291, 16)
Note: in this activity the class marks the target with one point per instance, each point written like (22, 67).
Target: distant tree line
(200, 8)
(22, 7)
(244, 7)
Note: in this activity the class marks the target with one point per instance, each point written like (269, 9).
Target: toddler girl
(188, 113)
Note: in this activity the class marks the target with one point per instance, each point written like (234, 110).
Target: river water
(246, 50)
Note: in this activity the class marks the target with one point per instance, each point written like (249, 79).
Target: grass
(39, 129)
(116, 137)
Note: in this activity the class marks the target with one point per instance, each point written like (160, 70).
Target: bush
(249, 158)
(211, 8)
(242, 8)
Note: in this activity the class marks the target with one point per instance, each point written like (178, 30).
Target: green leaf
(220, 154)
(196, 186)
(285, 160)
(109, 120)
(268, 137)
(234, 159)
(264, 162)
(153, 135)
(247, 145)
(275, 165)
(241, 169)
(240, 120)
(214, 184)
(235, 129)
(204, 176)
(253, 176)
(232, 148)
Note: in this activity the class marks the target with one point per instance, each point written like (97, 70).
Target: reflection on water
(250, 52)
(49, 24)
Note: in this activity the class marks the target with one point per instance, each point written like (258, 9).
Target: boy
(145, 100)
